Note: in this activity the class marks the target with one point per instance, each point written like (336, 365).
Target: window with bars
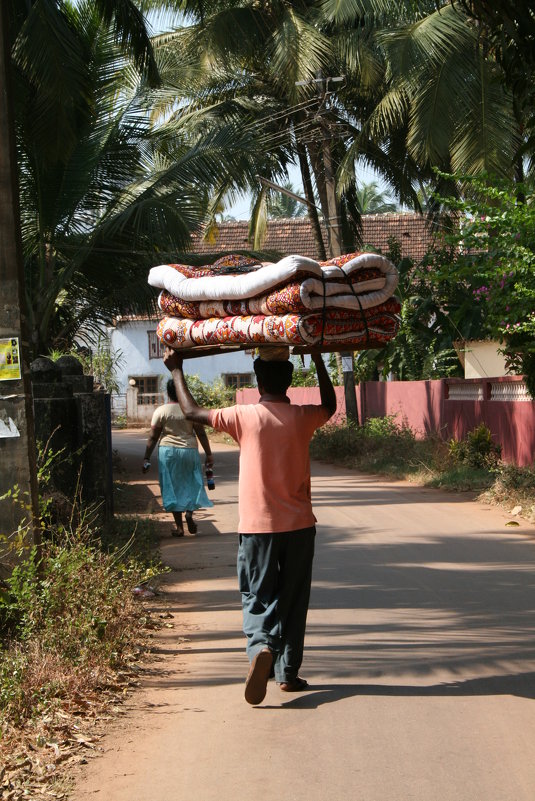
(155, 346)
(148, 390)
(238, 380)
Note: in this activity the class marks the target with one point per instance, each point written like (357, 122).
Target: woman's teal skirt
(181, 479)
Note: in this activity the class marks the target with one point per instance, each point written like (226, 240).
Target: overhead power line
(285, 191)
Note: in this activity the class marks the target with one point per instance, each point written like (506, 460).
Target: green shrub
(380, 445)
(383, 445)
(70, 595)
(213, 396)
(68, 616)
(477, 450)
(516, 478)
(460, 477)
(68, 613)
(303, 377)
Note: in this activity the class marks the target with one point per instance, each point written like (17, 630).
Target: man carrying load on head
(277, 524)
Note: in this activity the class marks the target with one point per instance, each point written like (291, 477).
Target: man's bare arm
(191, 409)
(327, 393)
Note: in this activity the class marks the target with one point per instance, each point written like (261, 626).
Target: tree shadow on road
(521, 685)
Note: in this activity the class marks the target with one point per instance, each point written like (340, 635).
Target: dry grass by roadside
(37, 752)
(76, 638)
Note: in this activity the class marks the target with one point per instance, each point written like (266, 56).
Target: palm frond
(296, 51)
(130, 30)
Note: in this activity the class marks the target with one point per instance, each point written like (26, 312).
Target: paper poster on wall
(9, 359)
(347, 362)
(8, 429)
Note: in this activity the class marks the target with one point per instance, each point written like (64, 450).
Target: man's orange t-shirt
(274, 483)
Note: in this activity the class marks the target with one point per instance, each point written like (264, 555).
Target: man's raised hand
(172, 359)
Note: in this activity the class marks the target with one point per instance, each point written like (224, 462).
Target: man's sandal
(296, 685)
(256, 682)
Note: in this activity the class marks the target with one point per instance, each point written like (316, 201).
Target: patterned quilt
(372, 328)
(335, 279)
(343, 303)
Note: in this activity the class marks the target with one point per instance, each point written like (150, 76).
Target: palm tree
(105, 191)
(422, 90)
(372, 200)
(448, 91)
(263, 64)
(281, 205)
(510, 31)
(234, 62)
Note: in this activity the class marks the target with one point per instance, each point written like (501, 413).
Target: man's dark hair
(275, 377)
(171, 391)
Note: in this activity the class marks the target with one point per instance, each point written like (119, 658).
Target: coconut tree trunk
(309, 194)
(17, 440)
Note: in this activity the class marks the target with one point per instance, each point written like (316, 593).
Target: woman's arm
(154, 436)
(205, 442)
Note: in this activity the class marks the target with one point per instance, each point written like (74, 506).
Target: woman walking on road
(179, 465)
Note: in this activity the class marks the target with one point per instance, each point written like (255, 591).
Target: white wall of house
(482, 360)
(129, 342)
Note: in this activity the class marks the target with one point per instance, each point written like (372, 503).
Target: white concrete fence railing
(509, 391)
(489, 389)
(463, 392)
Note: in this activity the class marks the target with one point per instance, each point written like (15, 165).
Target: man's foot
(256, 683)
(296, 685)
(177, 532)
(192, 525)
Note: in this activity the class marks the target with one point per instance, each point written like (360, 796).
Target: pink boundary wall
(426, 407)
(300, 396)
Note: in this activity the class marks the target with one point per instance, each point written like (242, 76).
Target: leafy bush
(494, 264)
(213, 396)
(68, 605)
(517, 478)
(477, 450)
(381, 444)
(100, 362)
(303, 377)
(514, 486)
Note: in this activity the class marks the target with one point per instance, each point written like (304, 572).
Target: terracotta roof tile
(288, 236)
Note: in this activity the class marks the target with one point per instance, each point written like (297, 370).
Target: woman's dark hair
(171, 391)
(275, 377)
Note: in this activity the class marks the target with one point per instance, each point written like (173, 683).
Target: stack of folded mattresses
(343, 304)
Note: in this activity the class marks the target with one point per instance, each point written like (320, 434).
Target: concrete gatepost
(75, 420)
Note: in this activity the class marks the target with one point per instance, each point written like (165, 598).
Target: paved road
(420, 655)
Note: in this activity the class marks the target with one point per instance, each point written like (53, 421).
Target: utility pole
(333, 230)
(335, 243)
(333, 217)
(17, 441)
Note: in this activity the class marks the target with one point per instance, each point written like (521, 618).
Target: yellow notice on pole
(9, 359)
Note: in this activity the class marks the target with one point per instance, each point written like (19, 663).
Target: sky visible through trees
(161, 22)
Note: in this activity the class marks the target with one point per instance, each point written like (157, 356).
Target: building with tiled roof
(286, 236)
